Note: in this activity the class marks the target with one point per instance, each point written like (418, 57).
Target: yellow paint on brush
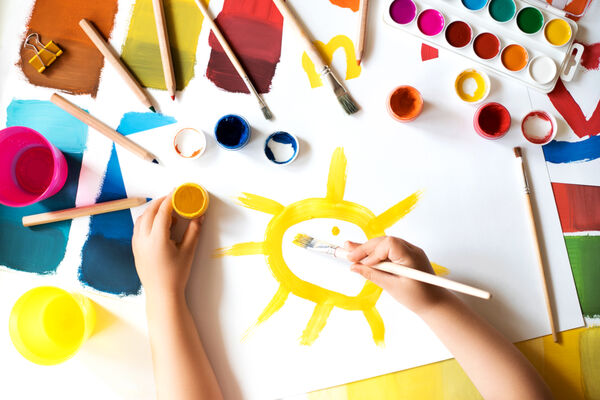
(463, 80)
(558, 32)
(327, 50)
(333, 206)
(190, 200)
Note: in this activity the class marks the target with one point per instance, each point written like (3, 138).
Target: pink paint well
(403, 11)
(431, 22)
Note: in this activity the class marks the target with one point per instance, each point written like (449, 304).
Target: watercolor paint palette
(512, 38)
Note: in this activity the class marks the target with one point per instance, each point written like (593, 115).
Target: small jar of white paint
(281, 147)
(539, 127)
(189, 143)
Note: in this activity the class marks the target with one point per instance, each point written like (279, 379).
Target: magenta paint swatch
(403, 11)
(430, 22)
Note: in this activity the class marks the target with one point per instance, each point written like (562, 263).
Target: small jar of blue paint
(232, 132)
(281, 147)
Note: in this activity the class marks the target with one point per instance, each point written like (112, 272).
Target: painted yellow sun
(333, 206)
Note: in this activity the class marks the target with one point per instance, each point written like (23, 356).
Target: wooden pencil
(165, 47)
(70, 213)
(113, 58)
(104, 129)
(536, 242)
(362, 28)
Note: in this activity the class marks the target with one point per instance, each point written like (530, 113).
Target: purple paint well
(403, 11)
(431, 22)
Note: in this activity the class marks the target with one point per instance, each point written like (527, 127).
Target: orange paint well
(514, 57)
(405, 103)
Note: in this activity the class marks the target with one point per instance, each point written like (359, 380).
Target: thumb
(380, 278)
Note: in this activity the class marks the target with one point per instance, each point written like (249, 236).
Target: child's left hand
(162, 264)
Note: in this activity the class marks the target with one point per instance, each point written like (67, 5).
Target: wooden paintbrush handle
(310, 48)
(101, 127)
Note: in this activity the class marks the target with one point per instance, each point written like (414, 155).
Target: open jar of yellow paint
(190, 200)
(48, 325)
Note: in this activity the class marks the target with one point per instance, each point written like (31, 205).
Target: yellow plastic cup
(48, 325)
(190, 200)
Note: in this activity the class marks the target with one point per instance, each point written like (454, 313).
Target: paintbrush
(308, 242)
(536, 241)
(327, 75)
(234, 60)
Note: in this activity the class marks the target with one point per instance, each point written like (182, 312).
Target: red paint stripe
(591, 56)
(569, 109)
(428, 52)
(578, 207)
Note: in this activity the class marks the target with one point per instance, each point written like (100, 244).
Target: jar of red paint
(491, 121)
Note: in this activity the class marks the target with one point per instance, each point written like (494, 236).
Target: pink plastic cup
(31, 168)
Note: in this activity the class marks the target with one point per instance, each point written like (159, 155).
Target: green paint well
(584, 255)
(502, 10)
(530, 20)
(141, 52)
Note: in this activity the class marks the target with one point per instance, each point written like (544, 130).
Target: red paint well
(458, 34)
(571, 112)
(428, 52)
(253, 29)
(578, 207)
(486, 45)
(491, 120)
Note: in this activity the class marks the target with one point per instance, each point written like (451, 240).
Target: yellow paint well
(462, 84)
(190, 200)
(558, 32)
(352, 68)
(333, 206)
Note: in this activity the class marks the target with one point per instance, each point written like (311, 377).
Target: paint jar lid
(190, 200)
(281, 147)
(189, 143)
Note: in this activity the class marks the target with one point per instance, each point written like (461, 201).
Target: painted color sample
(428, 52)
(514, 57)
(578, 207)
(430, 22)
(190, 200)
(566, 105)
(486, 45)
(281, 147)
(405, 103)
(474, 5)
(542, 69)
(538, 127)
(253, 29)
(42, 248)
(403, 11)
(77, 70)
(559, 152)
(458, 34)
(141, 52)
(530, 20)
(107, 261)
(502, 10)
(340, 41)
(471, 86)
(351, 4)
(232, 132)
(583, 254)
(590, 59)
(557, 32)
(491, 120)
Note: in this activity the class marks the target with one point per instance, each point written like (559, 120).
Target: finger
(162, 221)
(380, 278)
(364, 249)
(350, 246)
(192, 234)
(147, 217)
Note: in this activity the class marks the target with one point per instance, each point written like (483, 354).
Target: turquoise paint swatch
(40, 249)
(474, 5)
(502, 10)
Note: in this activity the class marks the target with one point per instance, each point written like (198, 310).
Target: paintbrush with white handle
(323, 69)
(308, 242)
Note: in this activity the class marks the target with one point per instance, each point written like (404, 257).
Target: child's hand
(417, 296)
(163, 265)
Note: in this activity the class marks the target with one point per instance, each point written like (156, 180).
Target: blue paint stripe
(558, 152)
(134, 122)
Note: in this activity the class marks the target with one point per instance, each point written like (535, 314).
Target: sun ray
(274, 305)
(393, 214)
(259, 203)
(241, 249)
(439, 270)
(336, 182)
(316, 323)
(376, 323)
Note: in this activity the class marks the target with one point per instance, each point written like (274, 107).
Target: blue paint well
(40, 249)
(474, 5)
(232, 132)
(558, 152)
(282, 138)
(107, 262)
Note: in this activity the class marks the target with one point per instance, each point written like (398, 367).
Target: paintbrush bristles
(347, 103)
(302, 240)
(266, 112)
(517, 151)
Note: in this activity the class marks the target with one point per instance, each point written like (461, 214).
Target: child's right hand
(415, 295)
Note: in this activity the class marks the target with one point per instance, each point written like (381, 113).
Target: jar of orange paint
(190, 200)
(405, 103)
